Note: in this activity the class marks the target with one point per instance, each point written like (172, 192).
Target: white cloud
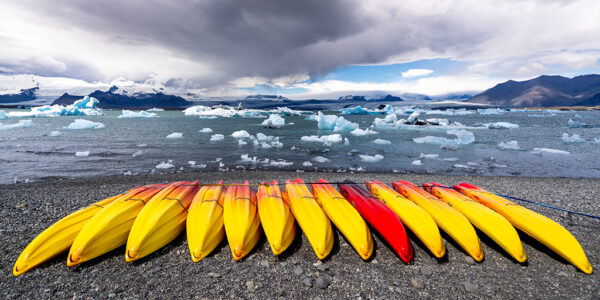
(416, 73)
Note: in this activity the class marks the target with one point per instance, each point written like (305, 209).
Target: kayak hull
(204, 225)
(275, 217)
(242, 223)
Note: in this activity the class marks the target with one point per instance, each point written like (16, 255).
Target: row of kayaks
(147, 218)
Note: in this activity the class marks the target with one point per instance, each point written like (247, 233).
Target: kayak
(204, 224)
(413, 216)
(109, 228)
(488, 221)
(161, 220)
(59, 237)
(384, 220)
(242, 224)
(541, 228)
(310, 217)
(345, 217)
(450, 220)
(275, 217)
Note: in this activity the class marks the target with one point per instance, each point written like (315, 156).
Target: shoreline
(29, 208)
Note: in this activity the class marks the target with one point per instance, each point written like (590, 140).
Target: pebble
(375, 261)
(308, 282)
(469, 260)
(298, 271)
(112, 295)
(157, 269)
(264, 263)
(417, 283)
(20, 205)
(250, 284)
(321, 268)
(425, 271)
(322, 282)
(214, 275)
(469, 287)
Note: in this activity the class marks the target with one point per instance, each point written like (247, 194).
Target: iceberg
(274, 121)
(55, 133)
(346, 142)
(381, 142)
(417, 162)
(240, 134)
(307, 164)
(137, 153)
(575, 138)
(155, 109)
(500, 125)
(82, 153)
(358, 110)
(128, 114)
(413, 117)
(597, 140)
(450, 112)
(542, 151)
(369, 158)
(175, 135)
(20, 124)
(461, 166)
(205, 130)
(327, 140)
(3, 115)
(463, 137)
(84, 124)
(510, 145)
(266, 141)
(242, 142)
(575, 124)
(422, 155)
(490, 111)
(217, 137)
(344, 125)
(360, 132)
(281, 163)
(82, 107)
(320, 159)
(223, 111)
(335, 123)
(207, 117)
(165, 165)
(286, 111)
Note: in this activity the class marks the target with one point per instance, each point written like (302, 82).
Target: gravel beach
(26, 209)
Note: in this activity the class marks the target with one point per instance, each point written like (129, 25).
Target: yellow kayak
(242, 224)
(310, 217)
(161, 220)
(488, 221)
(59, 237)
(204, 224)
(345, 217)
(448, 219)
(413, 216)
(541, 228)
(276, 218)
(109, 228)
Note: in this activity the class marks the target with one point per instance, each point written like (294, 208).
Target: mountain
(543, 91)
(111, 99)
(24, 95)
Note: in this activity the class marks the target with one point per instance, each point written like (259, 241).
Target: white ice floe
(358, 110)
(369, 158)
(242, 142)
(274, 121)
(320, 159)
(20, 124)
(207, 117)
(280, 163)
(128, 114)
(461, 166)
(575, 138)
(205, 130)
(248, 159)
(450, 159)
(82, 153)
(335, 123)
(346, 142)
(165, 165)
(361, 132)
(3, 115)
(463, 137)
(431, 156)
(82, 107)
(450, 112)
(500, 125)
(141, 145)
(307, 164)
(217, 137)
(510, 145)
(266, 141)
(490, 111)
(137, 153)
(84, 124)
(325, 139)
(417, 162)
(381, 142)
(597, 140)
(54, 133)
(413, 117)
(541, 115)
(575, 124)
(438, 121)
(193, 164)
(286, 111)
(175, 135)
(155, 109)
(240, 134)
(548, 151)
(223, 111)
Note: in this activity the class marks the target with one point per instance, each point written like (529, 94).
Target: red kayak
(383, 219)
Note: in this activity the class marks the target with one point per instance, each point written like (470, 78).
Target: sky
(299, 49)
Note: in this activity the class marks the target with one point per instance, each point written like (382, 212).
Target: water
(31, 154)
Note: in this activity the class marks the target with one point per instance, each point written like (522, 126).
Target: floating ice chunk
(346, 142)
(326, 122)
(207, 117)
(461, 166)
(450, 159)
(325, 139)
(344, 125)
(281, 163)
(286, 111)
(463, 137)
(20, 124)
(55, 133)
(387, 122)
(381, 142)
(165, 165)
(413, 117)
(369, 158)
(223, 111)
(175, 135)
(247, 158)
(417, 162)
(360, 132)
(82, 107)
(320, 159)
(575, 124)
(242, 142)
(597, 140)
(472, 163)
(274, 121)
(141, 145)
(510, 145)
(429, 155)
(548, 151)
(500, 125)
(490, 111)
(240, 134)
(439, 122)
(311, 118)
(137, 153)
(358, 110)
(307, 164)
(192, 163)
(128, 114)
(3, 115)
(84, 124)
(155, 109)
(575, 138)
(82, 153)
(217, 137)
(205, 130)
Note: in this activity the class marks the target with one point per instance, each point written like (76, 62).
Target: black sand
(28, 209)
